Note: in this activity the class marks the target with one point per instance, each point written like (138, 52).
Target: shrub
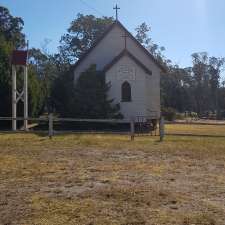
(180, 116)
(169, 113)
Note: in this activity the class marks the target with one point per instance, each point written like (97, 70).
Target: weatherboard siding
(109, 47)
(137, 106)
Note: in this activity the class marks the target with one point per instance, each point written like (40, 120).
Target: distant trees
(176, 91)
(206, 73)
(197, 88)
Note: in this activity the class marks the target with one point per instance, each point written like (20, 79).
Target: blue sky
(181, 26)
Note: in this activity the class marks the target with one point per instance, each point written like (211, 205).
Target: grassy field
(198, 130)
(107, 179)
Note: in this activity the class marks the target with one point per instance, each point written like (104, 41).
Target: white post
(14, 122)
(25, 92)
(161, 128)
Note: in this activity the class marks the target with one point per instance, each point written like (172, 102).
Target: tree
(11, 37)
(142, 35)
(11, 28)
(47, 69)
(62, 94)
(5, 82)
(206, 74)
(88, 98)
(82, 33)
(176, 89)
(216, 65)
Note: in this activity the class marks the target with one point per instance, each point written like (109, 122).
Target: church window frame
(126, 92)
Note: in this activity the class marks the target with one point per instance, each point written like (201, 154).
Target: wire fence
(53, 125)
(136, 127)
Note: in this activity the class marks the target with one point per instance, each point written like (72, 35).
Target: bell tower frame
(19, 59)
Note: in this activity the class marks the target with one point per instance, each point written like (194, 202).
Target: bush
(180, 116)
(169, 113)
(87, 98)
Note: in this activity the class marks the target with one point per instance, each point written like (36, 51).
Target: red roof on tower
(19, 57)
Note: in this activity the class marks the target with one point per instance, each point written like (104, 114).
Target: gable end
(123, 53)
(130, 35)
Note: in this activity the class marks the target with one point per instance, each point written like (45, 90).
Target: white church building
(133, 73)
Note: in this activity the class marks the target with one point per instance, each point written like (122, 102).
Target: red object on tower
(19, 57)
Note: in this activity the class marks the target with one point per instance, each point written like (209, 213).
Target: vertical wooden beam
(161, 129)
(50, 125)
(14, 111)
(25, 92)
(132, 129)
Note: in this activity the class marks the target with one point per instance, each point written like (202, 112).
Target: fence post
(161, 128)
(132, 129)
(50, 125)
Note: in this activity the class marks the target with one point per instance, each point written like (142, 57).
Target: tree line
(198, 89)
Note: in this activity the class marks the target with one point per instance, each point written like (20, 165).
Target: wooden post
(50, 125)
(132, 129)
(14, 122)
(161, 128)
(25, 102)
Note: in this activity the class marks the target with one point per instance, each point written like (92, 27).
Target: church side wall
(153, 95)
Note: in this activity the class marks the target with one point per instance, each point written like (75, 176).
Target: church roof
(125, 52)
(130, 35)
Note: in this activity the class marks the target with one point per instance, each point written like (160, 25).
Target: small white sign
(126, 72)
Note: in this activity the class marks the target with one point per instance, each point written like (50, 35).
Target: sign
(126, 73)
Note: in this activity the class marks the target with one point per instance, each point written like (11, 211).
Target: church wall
(153, 95)
(137, 107)
(111, 46)
(152, 82)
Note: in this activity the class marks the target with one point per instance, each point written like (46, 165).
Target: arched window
(126, 92)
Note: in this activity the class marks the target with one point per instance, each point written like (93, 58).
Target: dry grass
(107, 179)
(214, 130)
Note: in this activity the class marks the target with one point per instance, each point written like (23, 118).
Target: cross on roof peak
(116, 8)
